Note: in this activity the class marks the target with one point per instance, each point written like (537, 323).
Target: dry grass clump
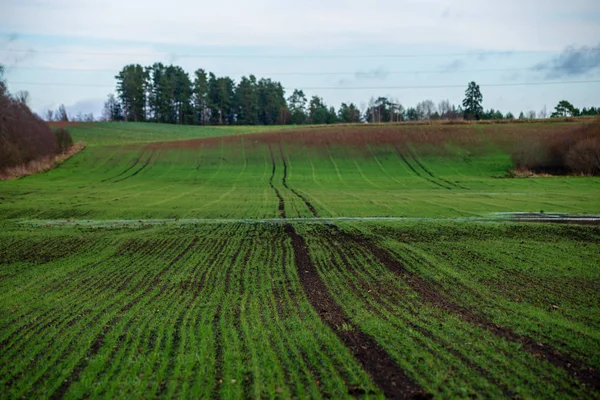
(40, 165)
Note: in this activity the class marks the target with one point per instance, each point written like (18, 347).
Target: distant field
(141, 267)
(120, 133)
(414, 171)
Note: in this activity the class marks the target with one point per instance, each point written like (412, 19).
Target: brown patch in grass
(424, 138)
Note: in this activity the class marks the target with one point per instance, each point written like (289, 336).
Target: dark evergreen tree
(220, 99)
(247, 101)
(348, 113)
(379, 110)
(297, 108)
(131, 89)
(564, 109)
(271, 102)
(472, 103)
(112, 109)
(200, 97)
(412, 114)
(317, 111)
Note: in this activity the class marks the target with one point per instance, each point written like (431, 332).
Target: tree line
(167, 94)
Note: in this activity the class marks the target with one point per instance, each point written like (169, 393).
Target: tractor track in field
(414, 170)
(277, 193)
(422, 331)
(429, 294)
(137, 171)
(382, 369)
(585, 374)
(136, 162)
(299, 195)
(428, 172)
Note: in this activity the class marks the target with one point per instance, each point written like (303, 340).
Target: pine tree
(472, 103)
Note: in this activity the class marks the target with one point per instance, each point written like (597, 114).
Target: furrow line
(219, 358)
(98, 340)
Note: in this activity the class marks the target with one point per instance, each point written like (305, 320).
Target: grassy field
(358, 261)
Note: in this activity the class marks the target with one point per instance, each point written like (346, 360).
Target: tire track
(346, 264)
(417, 172)
(137, 171)
(588, 376)
(299, 195)
(136, 162)
(281, 207)
(384, 371)
(428, 172)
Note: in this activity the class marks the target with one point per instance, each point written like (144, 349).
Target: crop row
(195, 314)
(440, 351)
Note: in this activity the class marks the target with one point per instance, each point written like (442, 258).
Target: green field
(240, 262)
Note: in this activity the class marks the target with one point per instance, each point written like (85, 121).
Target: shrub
(24, 137)
(584, 156)
(577, 151)
(64, 141)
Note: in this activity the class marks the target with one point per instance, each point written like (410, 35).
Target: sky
(525, 55)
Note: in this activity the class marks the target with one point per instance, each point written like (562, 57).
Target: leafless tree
(543, 113)
(49, 115)
(444, 108)
(531, 114)
(22, 96)
(61, 114)
(425, 109)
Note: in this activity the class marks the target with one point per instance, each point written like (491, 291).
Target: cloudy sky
(68, 51)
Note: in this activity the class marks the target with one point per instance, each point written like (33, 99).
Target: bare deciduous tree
(61, 114)
(444, 108)
(425, 109)
(22, 96)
